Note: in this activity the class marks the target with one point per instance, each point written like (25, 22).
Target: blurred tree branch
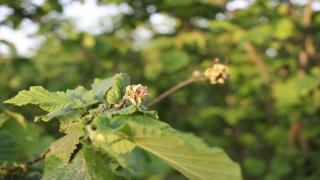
(296, 130)
(292, 9)
(296, 133)
(309, 47)
(25, 165)
(171, 90)
(307, 14)
(257, 59)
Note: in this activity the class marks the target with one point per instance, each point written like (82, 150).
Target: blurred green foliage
(267, 115)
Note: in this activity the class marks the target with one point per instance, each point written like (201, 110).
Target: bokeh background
(266, 117)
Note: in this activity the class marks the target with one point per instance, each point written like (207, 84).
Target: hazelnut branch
(217, 74)
(171, 90)
(25, 165)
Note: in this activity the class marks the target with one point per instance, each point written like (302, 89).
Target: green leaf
(140, 118)
(143, 162)
(106, 149)
(8, 148)
(53, 114)
(119, 144)
(86, 164)
(193, 140)
(3, 116)
(135, 160)
(26, 134)
(154, 164)
(48, 101)
(124, 111)
(101, 139)
(65, 146)
(103, 125)
(86, 97)
(115, 94)
(192, 162)
(68, 120)
(153, 114)
(147, 119)
(101, 86)
(129, 110)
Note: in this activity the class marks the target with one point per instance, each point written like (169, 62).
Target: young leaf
(103, 147)
(68, 120)
(192, 162)
(142, 163)
(115, 94)
(99, 139)
(107, 128)
(129, 110)
(8, 148)
(48, 101)
(193, 140)
(101, 86)
(149, 119)
(65, 146)
(86, 97)
(124, 111)
(87, 164)
(58, 113)
(152, 113)
(115, 140)
(118, 144)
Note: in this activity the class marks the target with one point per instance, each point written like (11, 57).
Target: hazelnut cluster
(217, 74)
(136, 93)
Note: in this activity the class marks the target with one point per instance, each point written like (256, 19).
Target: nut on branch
(218, 73)
(136, 93)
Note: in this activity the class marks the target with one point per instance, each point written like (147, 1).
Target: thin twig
(307, 14)
(293, 131)
(296, 129)
(165, 94)
(122, 102)
(292, 9)
(29, 163)
(257, 59)
(296, 133)
(307, 20)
